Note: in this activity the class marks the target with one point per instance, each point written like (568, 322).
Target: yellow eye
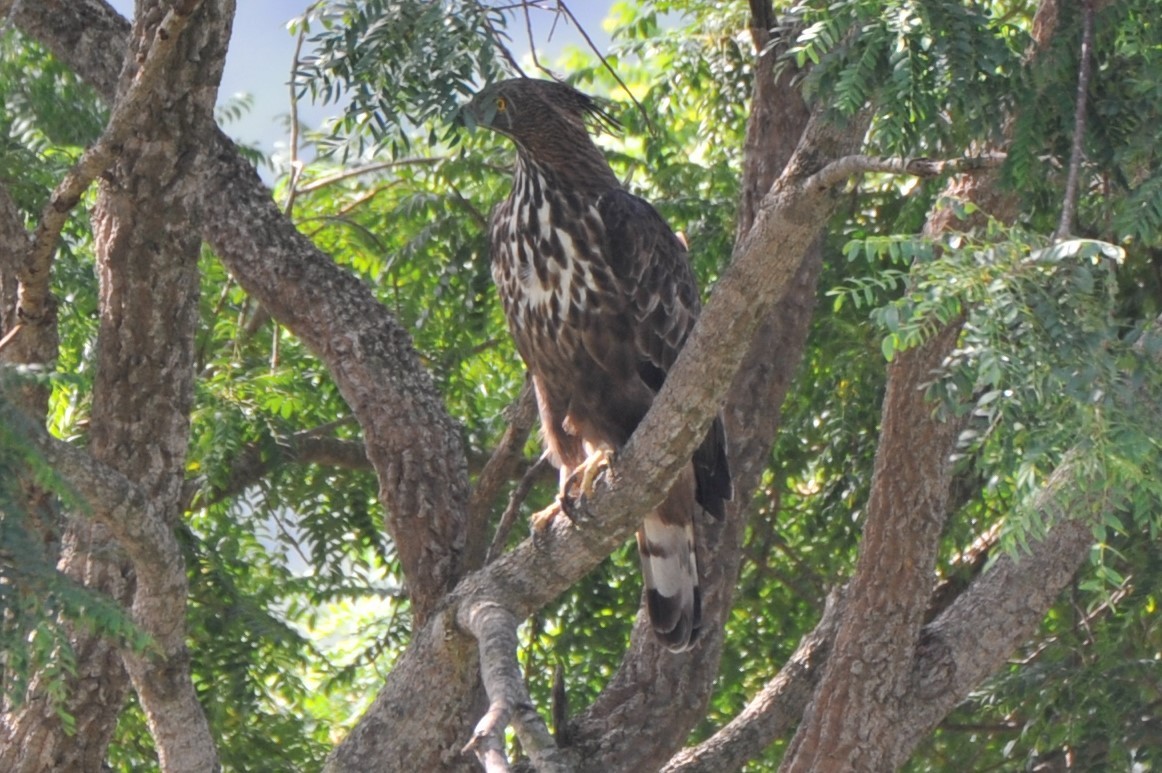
(501, 104)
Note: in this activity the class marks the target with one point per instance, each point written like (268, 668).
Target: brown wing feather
(649, 262)
(653, 308)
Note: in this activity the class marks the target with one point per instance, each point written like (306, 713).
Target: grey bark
(146, 219)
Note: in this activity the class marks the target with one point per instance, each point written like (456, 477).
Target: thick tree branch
(109, 496)
(146, 223)
(495, 631)
(980, 630)
(873, 653)
(873, 667)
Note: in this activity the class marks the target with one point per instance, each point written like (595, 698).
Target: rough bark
(874, 677)
(147, 267)
(411, 441)
(146, 221)
(868, 679)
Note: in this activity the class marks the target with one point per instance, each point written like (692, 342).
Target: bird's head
(527, 109)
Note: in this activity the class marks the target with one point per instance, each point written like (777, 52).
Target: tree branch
(495, 631)
(773, 710)
(500, 468)
(255, 461)
(842, 169)
(36, 272)
(537, 471)
(110, 497)
(411, 441)
(1001, 609)
(873, 653)
(1077, 147)
(357, 171)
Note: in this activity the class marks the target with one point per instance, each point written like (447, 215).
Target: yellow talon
(589, 469)
(541, 520)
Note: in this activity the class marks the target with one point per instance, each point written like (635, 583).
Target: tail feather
(670, 568)
(711, 471)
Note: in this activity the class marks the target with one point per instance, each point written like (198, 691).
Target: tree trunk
(146, 221)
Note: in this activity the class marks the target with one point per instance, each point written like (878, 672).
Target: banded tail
(670, 566)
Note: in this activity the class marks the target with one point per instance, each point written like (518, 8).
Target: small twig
(1082, 624)
(346, 174)
(532, 41)
(605, 63)
(1069, 205)
(296, 172)
(296, 165)
(9, 336)
(515, 500)
(842, 169)
(508, 699)
(497, 38)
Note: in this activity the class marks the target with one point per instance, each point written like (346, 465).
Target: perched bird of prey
(600, 298)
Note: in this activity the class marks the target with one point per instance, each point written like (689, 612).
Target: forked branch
(508, 699)
(36, 268)
(773, 710)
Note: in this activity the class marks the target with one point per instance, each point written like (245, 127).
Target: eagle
(599, 297)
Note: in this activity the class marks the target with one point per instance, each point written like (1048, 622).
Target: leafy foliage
(397, 65)
(41, 605)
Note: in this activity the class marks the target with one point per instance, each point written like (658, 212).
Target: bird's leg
(575, 484)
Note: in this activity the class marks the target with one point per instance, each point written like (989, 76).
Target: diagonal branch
(255, 461)
(499, 470)
(538, 471)
(773, 710)
(110, 497)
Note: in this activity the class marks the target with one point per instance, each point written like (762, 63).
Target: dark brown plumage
(600, 298)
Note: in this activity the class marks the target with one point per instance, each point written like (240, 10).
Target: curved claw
(586, 474)
(541, 520)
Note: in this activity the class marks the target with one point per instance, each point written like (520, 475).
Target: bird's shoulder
(643, 250)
